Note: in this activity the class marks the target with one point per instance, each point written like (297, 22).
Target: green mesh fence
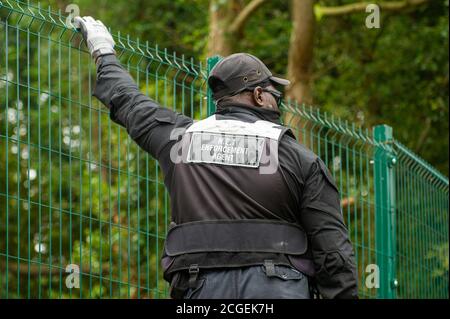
(422, 227)
(75, 191)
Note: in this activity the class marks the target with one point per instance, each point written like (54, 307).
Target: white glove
(98, 39)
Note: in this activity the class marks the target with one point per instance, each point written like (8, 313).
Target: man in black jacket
(254, 213)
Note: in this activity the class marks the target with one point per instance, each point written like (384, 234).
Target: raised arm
(147, 123)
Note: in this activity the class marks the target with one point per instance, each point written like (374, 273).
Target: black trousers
(256, 282)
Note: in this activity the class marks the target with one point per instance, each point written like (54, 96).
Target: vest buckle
(193, 275)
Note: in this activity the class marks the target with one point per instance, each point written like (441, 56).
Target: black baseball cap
(238, 72)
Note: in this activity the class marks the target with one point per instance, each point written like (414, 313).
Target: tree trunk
(300, 58)
(227, 24)
(301, 51)
(220, 41)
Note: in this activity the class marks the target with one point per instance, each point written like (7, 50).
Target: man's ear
(257, 96)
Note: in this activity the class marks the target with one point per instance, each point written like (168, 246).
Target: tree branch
(361, 6)
(243, 16)
(423, 135)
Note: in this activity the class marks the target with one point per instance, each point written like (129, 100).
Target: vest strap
(236, 236)
(193, 274)
(270, 268)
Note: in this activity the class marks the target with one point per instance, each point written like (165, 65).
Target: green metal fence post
(212, 61)
(384, 164)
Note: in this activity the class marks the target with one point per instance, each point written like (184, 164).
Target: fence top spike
(287, 105)
(42, 17)
(29, 8)
(193, 68)
(341, 125)
(49, 12)
(348, 128)
(174, 54)
(166, 58)
(129, 45)
(20, 8)
(39, 10)
(184, 68)
(142, 53)
(410, 155)
(336, 124)
(59, 17)
(31, 13)
(139, 47)
(320, 116)
(301, 109)
(361, 134)
(119, 39)
(291, 105)
(157, 53)
(21, 14)
(353, 128)
(311, 113)
(183, 63)
(327, 121)
(369, 137)
(147, 49)
(9, 13)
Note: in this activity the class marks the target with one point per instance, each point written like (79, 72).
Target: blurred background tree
(397, 74)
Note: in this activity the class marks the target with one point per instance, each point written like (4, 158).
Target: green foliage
(396, 75)
(71, 178)
(75, 189)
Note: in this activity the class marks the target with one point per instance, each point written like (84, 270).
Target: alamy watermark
(373, 19)
(73, 277)
(373, 277)
(74, 11)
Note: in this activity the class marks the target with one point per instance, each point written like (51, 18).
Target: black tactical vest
(230, 203)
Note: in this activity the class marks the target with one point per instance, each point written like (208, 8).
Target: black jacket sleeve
(152, 127)
(332, 252)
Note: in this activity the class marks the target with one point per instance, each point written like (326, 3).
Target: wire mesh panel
(348, 153)
(422, 228)
(77, 195)
(75, 190)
